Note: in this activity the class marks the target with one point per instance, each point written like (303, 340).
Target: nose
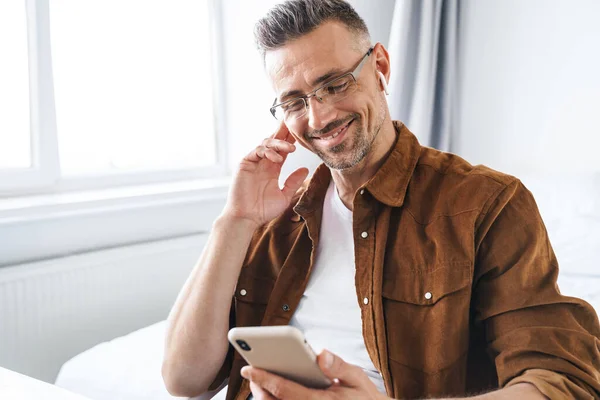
(319, 113)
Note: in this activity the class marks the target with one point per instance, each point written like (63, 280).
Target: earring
(383, 82)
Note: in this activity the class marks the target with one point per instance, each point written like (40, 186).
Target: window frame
(44, 169)
(45, 216)
(44, 176)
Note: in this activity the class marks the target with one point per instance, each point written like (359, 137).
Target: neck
(348, 181)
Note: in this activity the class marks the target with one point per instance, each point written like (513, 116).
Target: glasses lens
(290, 110)
(332, 92)
(337, 89)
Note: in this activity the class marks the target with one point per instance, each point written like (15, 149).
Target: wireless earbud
(383, 82)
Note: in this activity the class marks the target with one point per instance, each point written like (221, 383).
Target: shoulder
(440, 164)
(446, 184)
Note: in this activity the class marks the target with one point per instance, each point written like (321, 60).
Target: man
(428, 276)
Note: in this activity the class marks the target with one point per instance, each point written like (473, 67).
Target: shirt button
(366, 301)
(286, 307)
(428, 295)
(243, 292)
(364, 235)
(362, 191)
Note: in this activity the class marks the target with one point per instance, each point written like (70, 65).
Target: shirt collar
(389, 183)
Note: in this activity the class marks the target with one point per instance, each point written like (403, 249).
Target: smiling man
(423, 276)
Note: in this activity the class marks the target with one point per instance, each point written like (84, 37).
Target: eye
(292, 106)
(337, 87)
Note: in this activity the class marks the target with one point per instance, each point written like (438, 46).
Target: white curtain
(423, 51)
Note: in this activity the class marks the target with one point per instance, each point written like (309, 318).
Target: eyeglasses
(330, 93)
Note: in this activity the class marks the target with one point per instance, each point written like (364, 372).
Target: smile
(335, 137)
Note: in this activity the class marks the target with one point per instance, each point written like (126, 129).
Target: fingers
(294, 181)
(259, 393)
(336, 368)
(279, 145)
(281, 142)
(270, 154)
(274, 150)
(274, 385)
(283, 133)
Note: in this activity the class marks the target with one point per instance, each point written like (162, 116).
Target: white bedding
(126, 368)
(129, 367)
(570, 208)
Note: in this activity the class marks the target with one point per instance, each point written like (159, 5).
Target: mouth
(334, 137)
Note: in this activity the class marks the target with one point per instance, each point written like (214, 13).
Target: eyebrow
(326, 76)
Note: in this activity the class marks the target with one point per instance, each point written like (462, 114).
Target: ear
(382, 65)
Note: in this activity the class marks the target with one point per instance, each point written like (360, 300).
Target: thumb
(294, 181)
(336, 368)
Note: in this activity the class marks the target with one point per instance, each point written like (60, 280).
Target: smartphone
(281, 350)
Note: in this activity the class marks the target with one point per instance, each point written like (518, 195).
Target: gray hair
(295, 18)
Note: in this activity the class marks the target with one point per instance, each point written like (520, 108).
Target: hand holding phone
(281, 350)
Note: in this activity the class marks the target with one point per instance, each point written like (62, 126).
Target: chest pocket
(251, 299)
(427, 315)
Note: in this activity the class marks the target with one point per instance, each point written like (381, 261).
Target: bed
(129, 367)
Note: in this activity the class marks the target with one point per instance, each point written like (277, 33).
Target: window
(121, 93)
(15, 143)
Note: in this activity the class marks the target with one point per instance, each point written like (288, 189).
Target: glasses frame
(354, 74)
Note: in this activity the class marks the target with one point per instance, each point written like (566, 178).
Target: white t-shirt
(329, 313)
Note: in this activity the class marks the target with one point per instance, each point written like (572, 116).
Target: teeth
(334, 135)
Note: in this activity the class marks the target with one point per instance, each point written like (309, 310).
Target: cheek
(295, 133)
(367, 102)
(374, 109)
(299, 138)
(368, 111)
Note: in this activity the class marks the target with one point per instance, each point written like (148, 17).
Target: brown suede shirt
(458, 275)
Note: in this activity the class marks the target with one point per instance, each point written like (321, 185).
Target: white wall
(530, 85)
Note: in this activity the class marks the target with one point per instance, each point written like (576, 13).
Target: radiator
(54, 309)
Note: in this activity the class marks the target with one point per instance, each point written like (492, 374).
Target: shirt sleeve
(533, 333)
(554, 385)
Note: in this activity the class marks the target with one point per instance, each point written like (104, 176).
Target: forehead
(299, 63)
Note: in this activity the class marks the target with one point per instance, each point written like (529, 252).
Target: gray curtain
(423, 51)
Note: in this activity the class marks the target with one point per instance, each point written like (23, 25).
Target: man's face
(301, 66)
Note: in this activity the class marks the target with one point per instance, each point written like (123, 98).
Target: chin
(344, 163)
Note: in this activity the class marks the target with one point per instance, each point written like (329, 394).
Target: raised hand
(255, 194)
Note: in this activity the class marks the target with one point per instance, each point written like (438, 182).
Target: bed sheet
(126, 368)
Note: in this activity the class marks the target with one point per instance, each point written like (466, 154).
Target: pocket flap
(254, 290)
(425, 286)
